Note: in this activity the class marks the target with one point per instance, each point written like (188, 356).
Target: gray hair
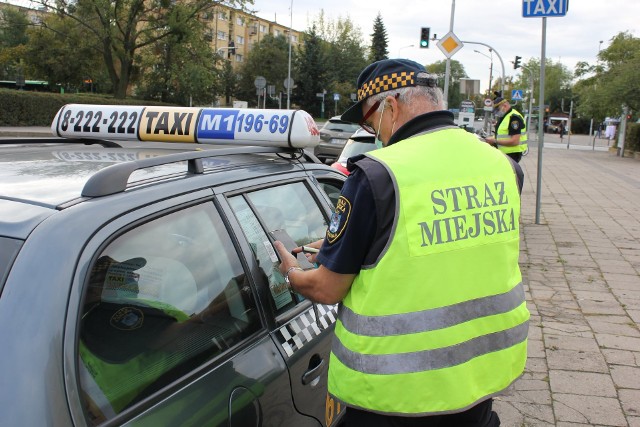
(423, 97)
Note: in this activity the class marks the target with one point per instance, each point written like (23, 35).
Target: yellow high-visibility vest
(503, 134)
(440, 322)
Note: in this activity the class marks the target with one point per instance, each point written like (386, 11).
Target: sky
(495, 23)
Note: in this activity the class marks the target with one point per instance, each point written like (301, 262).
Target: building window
(294, 38)
(239, 58)
(263, 28)
(222, 35)
(276, 33)
(222, 16)
(240, 21)
(239, 39)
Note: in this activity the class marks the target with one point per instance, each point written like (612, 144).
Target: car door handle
(313, 373)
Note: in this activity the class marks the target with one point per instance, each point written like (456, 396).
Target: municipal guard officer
(422, 252)
(511, 130)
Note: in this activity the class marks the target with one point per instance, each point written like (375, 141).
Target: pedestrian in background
(610, 133)
(422, 252)
(561, 130)
(511, 130)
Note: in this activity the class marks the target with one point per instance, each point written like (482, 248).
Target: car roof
(55, 174)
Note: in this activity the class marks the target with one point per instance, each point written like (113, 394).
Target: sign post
(260, 83)
(542, 9)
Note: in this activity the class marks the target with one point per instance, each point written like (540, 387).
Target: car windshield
(338, 126)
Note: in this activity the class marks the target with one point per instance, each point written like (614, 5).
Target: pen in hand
(307, 249)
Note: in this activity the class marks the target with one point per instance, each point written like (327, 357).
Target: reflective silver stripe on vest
(430, 320)
(427, 360)
(503, 137)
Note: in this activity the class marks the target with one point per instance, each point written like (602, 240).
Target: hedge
(25, 108)
(632, 137)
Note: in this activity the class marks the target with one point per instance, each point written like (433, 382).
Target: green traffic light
(424, 43)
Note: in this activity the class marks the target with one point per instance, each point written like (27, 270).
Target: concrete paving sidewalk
(581, 266)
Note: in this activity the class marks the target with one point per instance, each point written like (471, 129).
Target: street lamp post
(289, 68)
(490, 67)
(404, 47)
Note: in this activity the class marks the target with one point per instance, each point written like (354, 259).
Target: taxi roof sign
(223, 126)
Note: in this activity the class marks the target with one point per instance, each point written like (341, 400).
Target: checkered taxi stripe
(304, 328)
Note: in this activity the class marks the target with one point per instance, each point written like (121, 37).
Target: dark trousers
(515, 156)
(480, 415)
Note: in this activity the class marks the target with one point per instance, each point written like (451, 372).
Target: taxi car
(138, 282)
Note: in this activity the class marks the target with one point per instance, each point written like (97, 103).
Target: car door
(302, 331)
(169, 327)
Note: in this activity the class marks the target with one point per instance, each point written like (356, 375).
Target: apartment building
(233, 33)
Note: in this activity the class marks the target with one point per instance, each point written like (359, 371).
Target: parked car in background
(359, 143)
(553, 126)
(333, 136)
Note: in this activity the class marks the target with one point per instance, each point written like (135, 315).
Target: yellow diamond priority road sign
(449, 44)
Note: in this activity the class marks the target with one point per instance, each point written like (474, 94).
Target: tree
(13, 40)
(379, 41)
(341, 45)
(269, 59)
(345, 59)
(59, 52)
(558, 83)
(120, 28)
(605, 86)
(456, 73)
(180, 69)
(311, 67)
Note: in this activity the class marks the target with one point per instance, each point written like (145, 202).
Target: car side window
(161, 300)
(289, 207)
(332, 189)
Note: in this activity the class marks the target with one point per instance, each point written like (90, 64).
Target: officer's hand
(311, 256)
(286, 259)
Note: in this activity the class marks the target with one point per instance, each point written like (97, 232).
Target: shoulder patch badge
(515, 125)
(339, 220)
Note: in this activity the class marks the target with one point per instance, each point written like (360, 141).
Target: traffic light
(424, 37)
(516, 63)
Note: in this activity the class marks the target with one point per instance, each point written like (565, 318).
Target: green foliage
(345, 60)
(269, 58)
(557, 88)
(58, 52)
(379, 41)
(632, 137)
(456, 72)
(311, 66)
(582, 126)
(179, 68)
(118, 29)
(23, 108)
(13, 38)
(604, 87)
(13, 27)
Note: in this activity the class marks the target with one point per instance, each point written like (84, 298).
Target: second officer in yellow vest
(511, 130)
(422, 251)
